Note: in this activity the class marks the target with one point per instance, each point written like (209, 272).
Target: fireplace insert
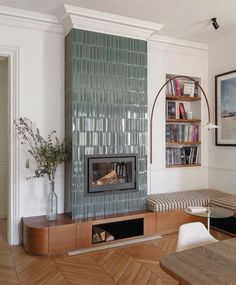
(111, 173)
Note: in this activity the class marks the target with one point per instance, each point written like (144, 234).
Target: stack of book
(187, 155)
(181, 88)
(175, 110)
(173, 88)
(182, 132)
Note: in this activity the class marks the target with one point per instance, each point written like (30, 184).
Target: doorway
(4, 142)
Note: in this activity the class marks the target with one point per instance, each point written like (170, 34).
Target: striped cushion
(181, 200)
(227, 201)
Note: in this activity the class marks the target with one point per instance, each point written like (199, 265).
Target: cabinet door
(62, 238)
(84, 234)
(150, 224)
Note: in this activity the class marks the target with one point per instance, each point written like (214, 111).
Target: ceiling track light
(214, 23)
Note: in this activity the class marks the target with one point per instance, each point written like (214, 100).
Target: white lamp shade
(210, 126)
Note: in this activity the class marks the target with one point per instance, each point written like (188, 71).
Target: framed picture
(225, 88)
(189, 88)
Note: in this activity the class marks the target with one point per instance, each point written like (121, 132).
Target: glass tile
(106, 96)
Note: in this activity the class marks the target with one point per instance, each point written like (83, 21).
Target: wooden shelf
(177, 106)
(182, 143)
(183, 165)
(183, 120)
(183, 98)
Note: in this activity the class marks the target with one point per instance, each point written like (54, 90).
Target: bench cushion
(181, 200)
(227, 201)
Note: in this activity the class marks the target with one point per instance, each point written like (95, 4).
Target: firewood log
(109, 237)
(100, 232)
(96, 238)
(105, 179)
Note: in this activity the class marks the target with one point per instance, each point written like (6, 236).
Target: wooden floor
(133, 264)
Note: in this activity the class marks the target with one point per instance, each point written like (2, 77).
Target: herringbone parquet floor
(134, 264)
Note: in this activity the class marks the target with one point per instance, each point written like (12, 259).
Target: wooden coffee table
(213, 264)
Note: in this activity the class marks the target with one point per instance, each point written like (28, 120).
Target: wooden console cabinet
(41, 237)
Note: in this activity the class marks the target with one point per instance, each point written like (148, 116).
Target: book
(183, 158)
(195, 133)
(177, 84)
(186, 131)
(197, 209)
(173, 86)
(191, 133)
(173, 133)
(177, 114)
(169, 89)
(168, 132)
(195, 152)
(196, 91)
(187, 151)
(182, 113)
(180, 133)
(171, 110)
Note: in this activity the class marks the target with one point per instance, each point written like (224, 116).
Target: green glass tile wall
(106, 113)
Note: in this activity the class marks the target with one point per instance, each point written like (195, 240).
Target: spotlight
(215, 24)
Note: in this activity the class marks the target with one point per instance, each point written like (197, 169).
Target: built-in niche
(117, 230)
(106, 114)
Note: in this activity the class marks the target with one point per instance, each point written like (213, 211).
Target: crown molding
(178, 42)
(28, 19)
(70, 17)
(86, 19)
(173, 45)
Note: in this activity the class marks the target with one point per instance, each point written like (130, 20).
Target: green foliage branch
(48, 153)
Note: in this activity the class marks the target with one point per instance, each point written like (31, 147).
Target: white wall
(222, 159)
(180, 59)
(41, 98)
(3, 138)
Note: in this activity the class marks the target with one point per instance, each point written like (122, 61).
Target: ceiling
(183, 19)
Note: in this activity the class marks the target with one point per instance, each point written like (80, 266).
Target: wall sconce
(208, 125)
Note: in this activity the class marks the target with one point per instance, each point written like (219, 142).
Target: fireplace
(111, 173)
(105, 113)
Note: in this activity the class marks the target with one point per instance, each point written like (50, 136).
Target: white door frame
(12, 53)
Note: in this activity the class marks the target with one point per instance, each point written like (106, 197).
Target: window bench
(169, 207)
